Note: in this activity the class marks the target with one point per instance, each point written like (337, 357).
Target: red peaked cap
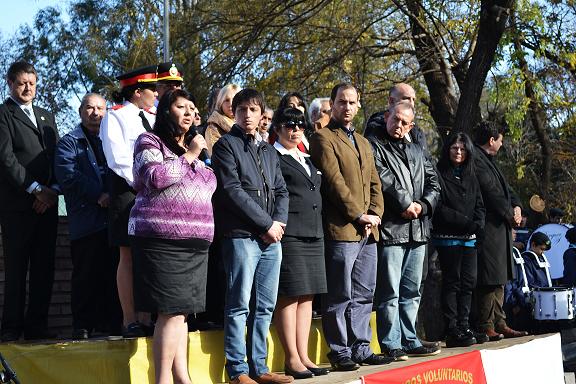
(139, 75)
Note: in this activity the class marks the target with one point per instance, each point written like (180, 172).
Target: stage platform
(130, 361)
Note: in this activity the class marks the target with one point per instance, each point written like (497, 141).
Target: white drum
(553, 303)
(557, 235)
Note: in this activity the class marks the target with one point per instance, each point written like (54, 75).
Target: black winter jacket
(251, 191)
(460, 211)
(402, 185)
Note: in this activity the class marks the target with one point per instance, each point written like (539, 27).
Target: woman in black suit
(302, 274)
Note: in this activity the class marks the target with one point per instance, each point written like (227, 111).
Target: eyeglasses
(458, 149)
(294, 125)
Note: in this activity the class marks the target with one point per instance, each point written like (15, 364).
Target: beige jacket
(218, 125)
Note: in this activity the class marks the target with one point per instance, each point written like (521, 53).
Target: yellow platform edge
(130, 361)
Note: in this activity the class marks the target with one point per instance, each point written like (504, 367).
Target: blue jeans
(252, 271)
(351, 278)
(398, 295)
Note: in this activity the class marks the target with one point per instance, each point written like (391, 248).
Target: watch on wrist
(37, 190)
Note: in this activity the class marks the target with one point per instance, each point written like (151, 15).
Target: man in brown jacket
(353, 205)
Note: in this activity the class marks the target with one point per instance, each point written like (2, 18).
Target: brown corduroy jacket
(350, 183)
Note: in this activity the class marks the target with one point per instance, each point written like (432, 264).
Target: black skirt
(303, 270)
(169, 275)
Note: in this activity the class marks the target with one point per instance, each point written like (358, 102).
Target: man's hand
(47, 198)
(368, 221)
(412, 211)
(104, 200)
(39, 207)
(274, 234)
(517, 216)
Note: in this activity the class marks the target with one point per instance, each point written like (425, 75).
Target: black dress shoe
(297, 375)
(457, 338)
(319, 371)
(345, 364)
(480, 337)
(133, 330)
(430, 344)
(374, 359)
(80, 334)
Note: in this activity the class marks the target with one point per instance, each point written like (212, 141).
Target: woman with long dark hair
(302, 273)
(171, 227)
(457, 225)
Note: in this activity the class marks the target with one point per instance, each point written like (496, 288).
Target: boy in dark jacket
(250, 211)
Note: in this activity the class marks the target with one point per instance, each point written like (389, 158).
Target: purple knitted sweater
(174, 198)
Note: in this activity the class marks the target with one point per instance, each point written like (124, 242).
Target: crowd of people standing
(290, 204)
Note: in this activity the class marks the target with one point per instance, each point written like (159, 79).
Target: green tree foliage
(459, 56)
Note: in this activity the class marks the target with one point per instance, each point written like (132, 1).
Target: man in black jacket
(411, 190)
(250, 211)
(503, 211)
(29, 209)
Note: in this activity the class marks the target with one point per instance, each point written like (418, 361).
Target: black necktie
(145, 122)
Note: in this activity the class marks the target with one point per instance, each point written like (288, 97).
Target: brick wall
(60, 314)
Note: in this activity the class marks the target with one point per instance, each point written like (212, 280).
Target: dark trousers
(489, 301)
(351, 277)
(95, 303)
(29, 242)
(215, 286)
(459, 270)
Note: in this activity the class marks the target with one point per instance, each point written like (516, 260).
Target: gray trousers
(351, 277)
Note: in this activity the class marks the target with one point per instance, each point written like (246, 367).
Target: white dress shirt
(119, 130)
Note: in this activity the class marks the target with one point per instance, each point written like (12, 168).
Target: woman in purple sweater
(171, 227)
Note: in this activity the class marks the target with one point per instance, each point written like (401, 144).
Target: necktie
(28, 112)
(145, 122)
(350, 134)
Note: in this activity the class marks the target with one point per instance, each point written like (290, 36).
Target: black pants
(459, 270)
(95, 303)
(215, 286)
(29, 242)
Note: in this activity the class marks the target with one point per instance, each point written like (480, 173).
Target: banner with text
(465, 368)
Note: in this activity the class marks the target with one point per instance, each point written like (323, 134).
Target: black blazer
(26, 154)
(305, 207)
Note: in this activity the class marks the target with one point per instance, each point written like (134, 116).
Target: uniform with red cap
(169, 76)
(119, 129)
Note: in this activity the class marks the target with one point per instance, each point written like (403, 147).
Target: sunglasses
(294, 125)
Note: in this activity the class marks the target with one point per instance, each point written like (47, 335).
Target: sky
(17, 12)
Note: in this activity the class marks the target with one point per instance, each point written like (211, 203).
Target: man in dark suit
(503, 212)
(29, 209)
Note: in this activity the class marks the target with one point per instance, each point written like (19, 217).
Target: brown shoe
(493, 335)
(242, 379)
(510, 333)
(273, 378)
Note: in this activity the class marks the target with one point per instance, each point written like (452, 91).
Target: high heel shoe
(319, 371)
(298, 375)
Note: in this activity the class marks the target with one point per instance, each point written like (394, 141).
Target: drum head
(556, 233)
